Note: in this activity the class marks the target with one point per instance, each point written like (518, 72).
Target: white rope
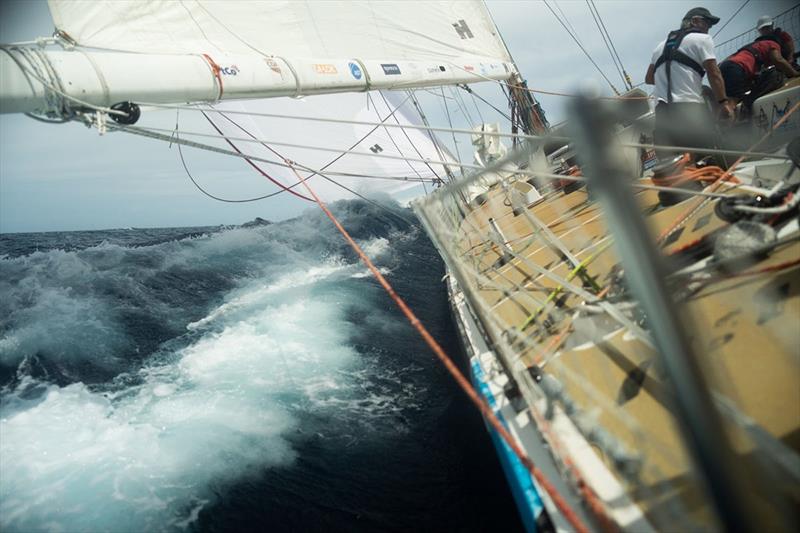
(156, 134)
(9, 50)
(464, 131)
(144, 132)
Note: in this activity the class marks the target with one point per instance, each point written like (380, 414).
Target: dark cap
(701, 12)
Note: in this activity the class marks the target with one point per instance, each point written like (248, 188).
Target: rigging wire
(461, 105)
(318, 173)
(251, 163)
(479, 402)
(566, 19)
(399, 151)
(612, 50)
(474, 94)
(540, 138)
(686, 215)
(723, 43)
(154, 134)
(436, 143)
(732, 17)
(581, 47)
(478, 109)
(205, 192)
(145, 132)
(433, 161)
(450, 121)
(605, 41)
(8, 50)
(102, 109)
(405, 134)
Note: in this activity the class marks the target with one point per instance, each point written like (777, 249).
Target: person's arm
(781, 64)
(715, 79)
(650, 77)
(789, 42)
(718, 86)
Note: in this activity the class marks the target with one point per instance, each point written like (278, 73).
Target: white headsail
(362, 158)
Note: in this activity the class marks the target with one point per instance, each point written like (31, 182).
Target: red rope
(683, 217)
(764, 270)
(252, 164)
(217, 73)
(487, 412)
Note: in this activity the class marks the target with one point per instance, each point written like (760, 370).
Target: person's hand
(726, 109)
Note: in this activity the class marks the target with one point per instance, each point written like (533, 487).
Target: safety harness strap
(671, 53)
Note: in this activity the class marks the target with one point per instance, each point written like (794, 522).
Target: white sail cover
(363, 29)
(369, 174)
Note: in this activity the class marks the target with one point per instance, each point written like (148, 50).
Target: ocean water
(235, 379)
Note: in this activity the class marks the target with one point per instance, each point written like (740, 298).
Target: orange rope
(217, 71)
(764, 270)
(481, 404)
(554, 343)
(553, 93)
(683, 217)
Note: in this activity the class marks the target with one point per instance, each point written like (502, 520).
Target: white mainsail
(365, 29)
(170, 52)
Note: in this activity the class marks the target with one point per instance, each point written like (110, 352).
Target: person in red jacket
(739, 70)
(768, 32)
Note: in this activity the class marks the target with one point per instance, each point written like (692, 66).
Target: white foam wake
(149, 457)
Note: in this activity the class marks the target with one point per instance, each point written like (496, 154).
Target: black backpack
(774, 38)
(671, 53)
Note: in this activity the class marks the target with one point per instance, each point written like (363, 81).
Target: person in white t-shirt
(677, 67)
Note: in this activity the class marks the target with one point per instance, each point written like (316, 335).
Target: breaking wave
(185, 378)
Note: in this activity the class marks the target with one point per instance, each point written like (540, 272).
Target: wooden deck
(745, 326)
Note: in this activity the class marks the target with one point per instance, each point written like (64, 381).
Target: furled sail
(191, 50)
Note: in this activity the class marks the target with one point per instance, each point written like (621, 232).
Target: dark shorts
(683, 124)
(736, 81)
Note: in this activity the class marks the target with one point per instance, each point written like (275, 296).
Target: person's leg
(735, 80)
(663, 133)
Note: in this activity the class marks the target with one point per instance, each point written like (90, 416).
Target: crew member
(676, 69)
(768, 32)
(739, 70)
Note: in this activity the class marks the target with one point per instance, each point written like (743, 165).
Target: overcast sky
(66, 177)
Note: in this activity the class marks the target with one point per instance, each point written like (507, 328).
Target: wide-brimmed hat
(702, 12)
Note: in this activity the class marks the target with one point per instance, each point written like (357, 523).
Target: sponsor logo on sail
(463, 30)
(469, 68)
(325, 68)
(390, 69)
(355, 70)
(435, 70)
(232, 70)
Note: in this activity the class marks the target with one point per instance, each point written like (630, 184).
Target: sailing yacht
(632, 340)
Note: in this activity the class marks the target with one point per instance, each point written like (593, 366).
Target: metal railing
(788, 21)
